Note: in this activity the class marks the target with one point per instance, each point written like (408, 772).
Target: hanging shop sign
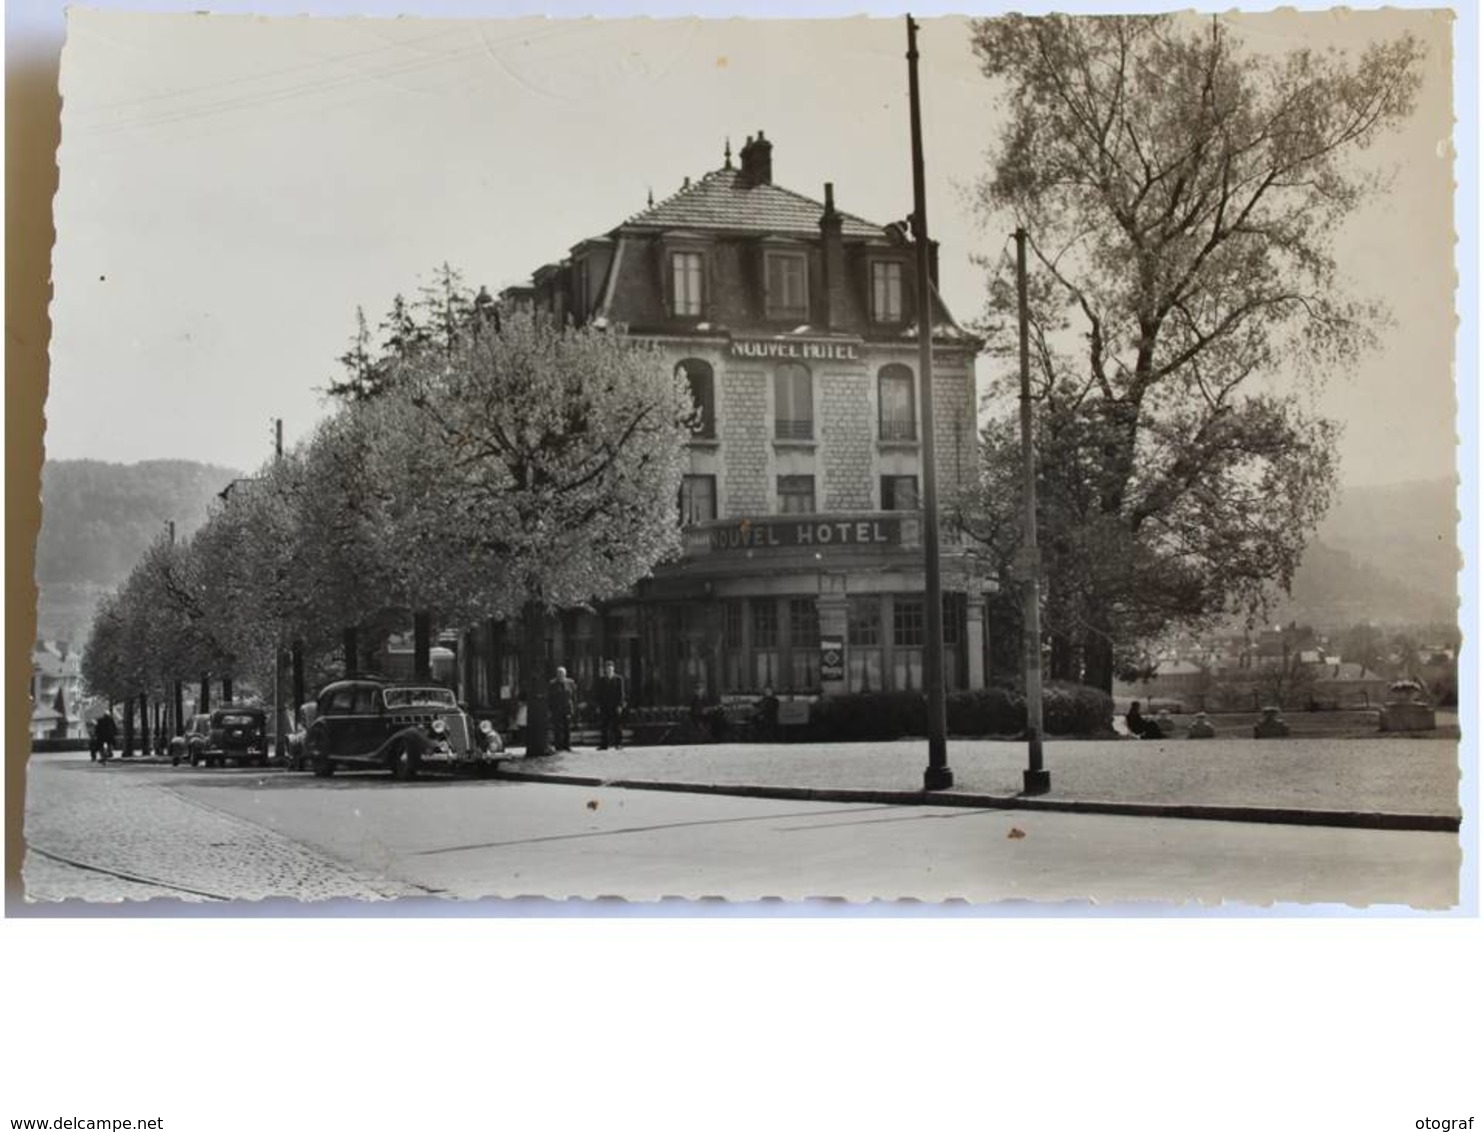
(776, 534)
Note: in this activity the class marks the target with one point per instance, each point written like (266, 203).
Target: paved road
(244, 834)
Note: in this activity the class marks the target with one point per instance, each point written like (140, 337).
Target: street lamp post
(938, 775)
(1037, 779)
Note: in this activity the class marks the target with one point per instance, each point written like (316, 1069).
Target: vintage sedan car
(237, 733)
(403, 728)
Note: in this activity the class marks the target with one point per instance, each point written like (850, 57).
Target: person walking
(107, 732)
(609, 695)
(561, 697)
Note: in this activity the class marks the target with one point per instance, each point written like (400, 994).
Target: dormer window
(886, 291)
(788, 284)
(687, 270)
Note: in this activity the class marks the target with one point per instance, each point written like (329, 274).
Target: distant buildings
(1283, 667)
(56, 692)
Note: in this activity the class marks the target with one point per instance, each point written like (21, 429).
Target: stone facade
(755, 293)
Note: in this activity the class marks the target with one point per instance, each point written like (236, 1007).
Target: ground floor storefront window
(730, 647)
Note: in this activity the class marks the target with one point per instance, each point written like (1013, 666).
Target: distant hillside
(1383, 554)
(97, 520)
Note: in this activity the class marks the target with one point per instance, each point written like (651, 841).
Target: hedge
(1066, 709)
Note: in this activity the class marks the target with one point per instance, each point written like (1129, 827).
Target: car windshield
(407, 697)
(238, 720)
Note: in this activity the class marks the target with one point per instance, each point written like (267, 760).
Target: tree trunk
(296, 662)
(494, 661)
(144, 723)
(1097, 657)
(1063, 664)
(348, 644)
(226, 690)
(422, 646)
(204, 704)
(533, 675)
(128, 746)
(179, 708)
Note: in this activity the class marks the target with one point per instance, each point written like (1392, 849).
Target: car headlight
(440, 727)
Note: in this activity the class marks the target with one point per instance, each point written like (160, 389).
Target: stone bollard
(1270, 726)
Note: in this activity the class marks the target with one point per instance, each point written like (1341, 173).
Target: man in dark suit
(609, 696)
(561, 697)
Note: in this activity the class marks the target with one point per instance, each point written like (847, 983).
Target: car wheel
(323, 767)
(404, 764)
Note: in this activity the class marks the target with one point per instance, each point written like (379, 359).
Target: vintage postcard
(976, 460)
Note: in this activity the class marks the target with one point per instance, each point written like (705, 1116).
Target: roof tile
(723, 199)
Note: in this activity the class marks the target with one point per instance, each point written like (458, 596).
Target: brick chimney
(757, 161)
(835, 312)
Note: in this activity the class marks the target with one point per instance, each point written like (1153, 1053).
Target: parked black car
(403, 728)
(238, 733)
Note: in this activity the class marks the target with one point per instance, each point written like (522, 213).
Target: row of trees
(480, 461)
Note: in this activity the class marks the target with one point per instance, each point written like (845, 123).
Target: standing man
(561, 696)
(609, 695)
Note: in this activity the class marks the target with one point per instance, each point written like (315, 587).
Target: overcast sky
(232, 187)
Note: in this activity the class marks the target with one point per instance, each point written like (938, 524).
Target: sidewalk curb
(1272, 815)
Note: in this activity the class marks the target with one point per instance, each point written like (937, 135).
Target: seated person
(487, 739)
(1139, 727)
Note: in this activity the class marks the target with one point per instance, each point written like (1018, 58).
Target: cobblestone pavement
(114, 832)
(1384, 775)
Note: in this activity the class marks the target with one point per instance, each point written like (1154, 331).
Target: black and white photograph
(873, 459)
(1007, 477)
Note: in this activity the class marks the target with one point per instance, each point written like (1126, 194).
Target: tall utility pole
(1037, 778)
(280, 740)
(938, 776)
(177, 705)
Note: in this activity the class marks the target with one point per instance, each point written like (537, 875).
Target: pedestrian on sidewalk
(766, 715)
(106, 731)
(609, 696)
(561, 695)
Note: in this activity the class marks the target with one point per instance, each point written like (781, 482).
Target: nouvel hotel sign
(796, 349)
(776, 534)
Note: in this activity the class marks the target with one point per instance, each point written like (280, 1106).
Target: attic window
(686, 274)
(788, 285)
(886, 291)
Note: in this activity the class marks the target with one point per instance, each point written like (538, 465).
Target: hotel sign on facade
(774, 534)
(796, 349)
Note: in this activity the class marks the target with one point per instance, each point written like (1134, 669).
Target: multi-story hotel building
(796, 326)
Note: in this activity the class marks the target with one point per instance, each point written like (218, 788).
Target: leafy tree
(527, 466)
(1181, 196)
